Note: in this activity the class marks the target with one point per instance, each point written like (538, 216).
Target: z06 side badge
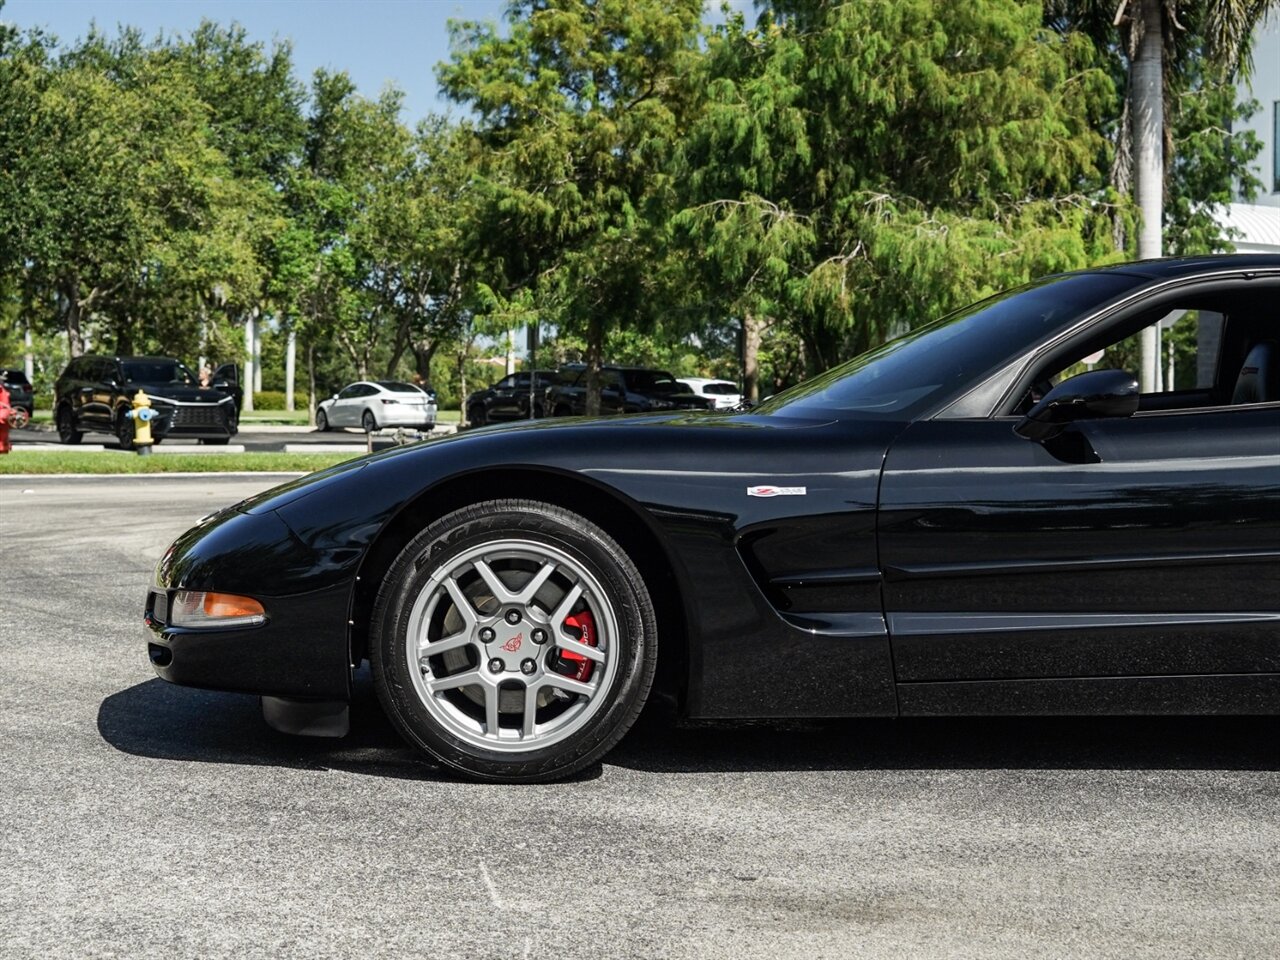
(771, 491)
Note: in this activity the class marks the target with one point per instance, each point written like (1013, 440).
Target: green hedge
(268, 400)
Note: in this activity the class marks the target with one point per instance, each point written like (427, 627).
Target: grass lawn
(21, 462)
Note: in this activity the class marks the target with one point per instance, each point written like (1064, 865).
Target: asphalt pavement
(146, 820)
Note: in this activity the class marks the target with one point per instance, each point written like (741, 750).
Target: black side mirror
(1094, 395)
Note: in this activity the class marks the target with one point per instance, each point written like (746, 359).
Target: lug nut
(527, 667)
(513, 616)
(425, 664)
(486, 634)
(495, 665)
(538, 636)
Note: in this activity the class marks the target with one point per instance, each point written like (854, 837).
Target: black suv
(19, 387)
(95, 393)
(508, 399)
(625, 390)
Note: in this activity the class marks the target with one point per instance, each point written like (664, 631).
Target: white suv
(724, 394)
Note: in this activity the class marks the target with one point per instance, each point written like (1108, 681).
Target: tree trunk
(311, 384)
(752, 329)
(1147, 112)
(250, 337)
(290, 369)
(423, 353)
(595, 350)
(462, 383)
(75, 336)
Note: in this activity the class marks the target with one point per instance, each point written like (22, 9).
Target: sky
(375, 41)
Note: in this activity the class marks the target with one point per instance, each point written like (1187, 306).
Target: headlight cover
(201, 608)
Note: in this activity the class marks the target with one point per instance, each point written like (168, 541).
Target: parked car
(373, 404)
(508, 399)
(94, 393)
(954, 523)
(21, 393)
(624, 390)
(723, 393)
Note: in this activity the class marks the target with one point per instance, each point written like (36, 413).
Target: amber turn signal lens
(199, 608)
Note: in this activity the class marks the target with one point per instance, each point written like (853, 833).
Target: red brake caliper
(585, 626)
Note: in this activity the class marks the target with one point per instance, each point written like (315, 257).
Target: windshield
(907, 375)
(157, 371)
(721, 389)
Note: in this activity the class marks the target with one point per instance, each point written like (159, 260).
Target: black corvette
(985, 516)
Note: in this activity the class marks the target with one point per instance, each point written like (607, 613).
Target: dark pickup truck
(624, 390)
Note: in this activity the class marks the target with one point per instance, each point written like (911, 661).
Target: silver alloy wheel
(486, 604)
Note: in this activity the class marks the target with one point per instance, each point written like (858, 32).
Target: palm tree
(1154, 38)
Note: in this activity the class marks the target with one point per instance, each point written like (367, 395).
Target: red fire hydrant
(6, 411)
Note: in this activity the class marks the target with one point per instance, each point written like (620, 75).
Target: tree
(742, 168)
(1163, 43)
(887, 162)
(411, 244)
(578, 107)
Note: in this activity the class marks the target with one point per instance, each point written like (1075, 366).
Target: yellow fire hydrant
(142, 414)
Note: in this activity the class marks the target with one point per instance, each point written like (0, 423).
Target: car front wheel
(513, 641)
(67, 432)
(322, 421)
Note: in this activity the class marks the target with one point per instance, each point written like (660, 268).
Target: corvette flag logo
(772, 491)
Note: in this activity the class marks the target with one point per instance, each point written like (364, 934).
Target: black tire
(124, 432)
(476, 416)
(622, 591)
(322, 421)
(67, 433)
(368, 421)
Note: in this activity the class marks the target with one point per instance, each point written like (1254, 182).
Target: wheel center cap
(512, 644)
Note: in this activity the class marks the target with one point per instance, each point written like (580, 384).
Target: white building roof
(1258, 226)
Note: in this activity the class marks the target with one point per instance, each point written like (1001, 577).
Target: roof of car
(1168, 268)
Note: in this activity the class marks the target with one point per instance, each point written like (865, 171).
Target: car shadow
(161, 721)
(958, 743)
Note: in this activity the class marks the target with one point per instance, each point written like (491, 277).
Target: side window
(506, 383)
(349, 392)
(1189, 345)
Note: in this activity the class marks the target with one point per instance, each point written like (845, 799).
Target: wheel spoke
(460, 602)
(430, 648)
(569, 685)
(566, 642)
(454, 681)
(535, 583)
(494, 583)
(528, 724)
(491, 711)
(566, 604)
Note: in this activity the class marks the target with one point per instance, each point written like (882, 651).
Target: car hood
(178, 392)
(681, 439)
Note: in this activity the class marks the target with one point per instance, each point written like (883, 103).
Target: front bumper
(303, 648)
(181, 420)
